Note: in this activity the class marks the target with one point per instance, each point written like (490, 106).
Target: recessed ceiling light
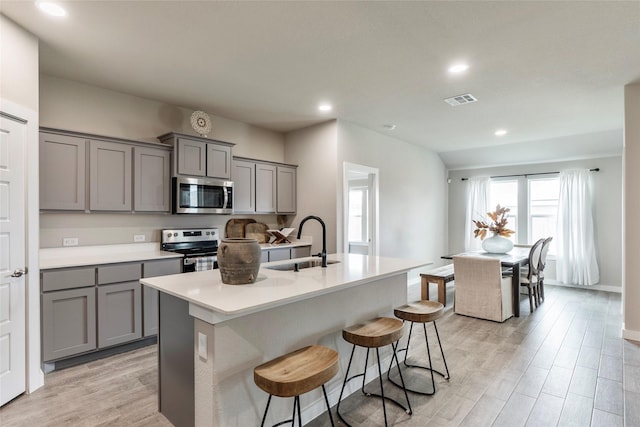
(51, 8)
(458, 68)
(389, 126)
(500, 132)
(325, 107)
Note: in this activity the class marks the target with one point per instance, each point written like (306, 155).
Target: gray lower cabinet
(279, 254)
(62, 172)
(110, 176)
(68, 323)
(152, 180)
(150, 295)
(119, 313)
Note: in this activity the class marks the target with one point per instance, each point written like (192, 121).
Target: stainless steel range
(198, 245)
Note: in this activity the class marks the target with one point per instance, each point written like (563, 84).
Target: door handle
(19, 272)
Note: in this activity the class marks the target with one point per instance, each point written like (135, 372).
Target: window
(505, 194)
(358, 221)
(543, 209)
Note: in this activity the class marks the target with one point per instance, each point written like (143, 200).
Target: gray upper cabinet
(265, 188)
(152, 180)
(110, 176)
(287, 188)
(218, 161)
(244, 186)
(192, 157)
(62, 172)
(198, 156)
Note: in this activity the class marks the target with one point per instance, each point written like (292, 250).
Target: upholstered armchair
(480, 289)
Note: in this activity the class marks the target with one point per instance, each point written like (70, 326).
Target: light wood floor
(566, 365)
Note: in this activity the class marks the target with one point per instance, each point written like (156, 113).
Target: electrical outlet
(139, 238)
(70, 241)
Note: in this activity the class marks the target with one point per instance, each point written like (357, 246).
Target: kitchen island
(235, 328)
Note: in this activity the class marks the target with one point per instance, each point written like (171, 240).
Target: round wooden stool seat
(420, 311)
(378, 332)
(297, 372)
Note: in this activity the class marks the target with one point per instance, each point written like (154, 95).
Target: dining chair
(541, 266)
(480, 289)
(530, 280)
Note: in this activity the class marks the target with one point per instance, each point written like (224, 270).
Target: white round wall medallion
(201, 122)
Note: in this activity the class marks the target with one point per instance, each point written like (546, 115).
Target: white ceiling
(545, 71)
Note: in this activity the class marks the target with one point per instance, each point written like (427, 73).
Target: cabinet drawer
(300, 252)
(162, 267)
(57, 280)
(279, 254)
(119, 273)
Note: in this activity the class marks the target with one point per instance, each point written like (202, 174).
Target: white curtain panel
(576, 255)
(477, 208)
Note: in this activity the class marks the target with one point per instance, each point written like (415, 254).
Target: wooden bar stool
(296, 373)
(375, 333)
(421, 312)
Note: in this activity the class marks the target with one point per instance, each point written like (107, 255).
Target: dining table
(514, 259)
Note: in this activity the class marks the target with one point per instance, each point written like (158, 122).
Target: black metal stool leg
(433, 381)
(297, 400)
(326, 399)
(404, 388)
(346, 380)
(264, 417)
(442, 352)
(384, 406)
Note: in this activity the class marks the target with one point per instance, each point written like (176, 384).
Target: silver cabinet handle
(19, 272)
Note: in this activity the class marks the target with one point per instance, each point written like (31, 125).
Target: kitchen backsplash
(109, 229)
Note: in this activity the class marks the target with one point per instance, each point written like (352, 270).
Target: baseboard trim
(605, 288)
(628, 334)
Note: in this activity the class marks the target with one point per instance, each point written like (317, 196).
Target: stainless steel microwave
(192, 195)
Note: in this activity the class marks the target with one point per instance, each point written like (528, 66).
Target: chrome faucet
(322, 254)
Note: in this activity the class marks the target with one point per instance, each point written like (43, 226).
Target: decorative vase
(239, 260)
(497, 244)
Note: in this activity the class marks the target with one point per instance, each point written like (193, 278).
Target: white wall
(314, 150)
(607, 193)
(80, 107)
(631, 290)
(413, 208)
(18, 65)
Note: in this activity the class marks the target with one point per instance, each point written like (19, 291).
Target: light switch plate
(202, 346)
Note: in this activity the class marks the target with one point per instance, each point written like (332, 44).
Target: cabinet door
(279, 254)
(218, 161)
(119, 313)
(68, 323)
(151, 180)
(192, 156)
(150, 295)
(244, 186)
(286, 190)
(109, 176)
(265, 188)
(300, 252)
(62, 172)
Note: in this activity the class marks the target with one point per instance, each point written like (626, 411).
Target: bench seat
(440, 276)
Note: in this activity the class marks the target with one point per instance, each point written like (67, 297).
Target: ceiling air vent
(461, 99)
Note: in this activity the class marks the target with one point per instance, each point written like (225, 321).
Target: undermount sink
(295, 266)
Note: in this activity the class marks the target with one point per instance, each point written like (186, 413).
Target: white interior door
(12, 258)
(361, 209)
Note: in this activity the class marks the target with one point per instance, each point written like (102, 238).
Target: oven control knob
(208, 233)
(175, 234)
(168, 235)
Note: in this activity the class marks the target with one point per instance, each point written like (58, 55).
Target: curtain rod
(528, 174)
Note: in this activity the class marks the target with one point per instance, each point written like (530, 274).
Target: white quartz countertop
(274, 288)
(77, 256)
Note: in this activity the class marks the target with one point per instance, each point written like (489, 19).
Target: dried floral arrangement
(498, 226)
